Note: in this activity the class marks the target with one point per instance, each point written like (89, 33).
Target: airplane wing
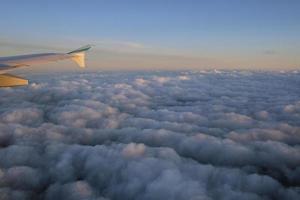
(9, 63)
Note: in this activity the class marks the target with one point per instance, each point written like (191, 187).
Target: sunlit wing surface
(9, 63)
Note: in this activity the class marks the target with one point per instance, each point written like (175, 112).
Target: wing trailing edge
(8, 80)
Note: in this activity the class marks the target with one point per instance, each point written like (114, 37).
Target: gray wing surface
(9, 63)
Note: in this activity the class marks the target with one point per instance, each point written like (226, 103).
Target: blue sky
(215, 33)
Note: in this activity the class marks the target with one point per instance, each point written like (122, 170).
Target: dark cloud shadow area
(151, 135)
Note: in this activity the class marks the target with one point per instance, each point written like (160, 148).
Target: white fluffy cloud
(151, 135)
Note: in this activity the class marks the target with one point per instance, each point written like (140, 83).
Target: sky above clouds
(151, 135)
(166, 34)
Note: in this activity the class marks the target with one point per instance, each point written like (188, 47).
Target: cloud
(133, 149)
(151, 135)
(75, 190)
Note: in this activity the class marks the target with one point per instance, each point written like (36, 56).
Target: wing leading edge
(9, 63)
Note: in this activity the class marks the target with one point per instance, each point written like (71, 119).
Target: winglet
(78, 55)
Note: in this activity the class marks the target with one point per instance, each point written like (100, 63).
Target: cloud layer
(151, 135)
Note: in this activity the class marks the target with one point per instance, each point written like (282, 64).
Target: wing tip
(81, 49)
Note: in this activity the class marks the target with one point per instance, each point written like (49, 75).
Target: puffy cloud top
(151, 135)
